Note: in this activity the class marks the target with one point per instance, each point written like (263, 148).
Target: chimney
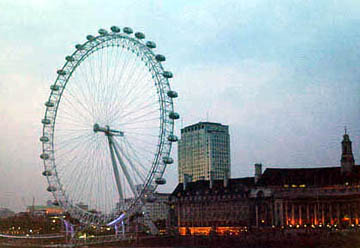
(185, 182)
(226, 178)
(187, 179)
(258, 172)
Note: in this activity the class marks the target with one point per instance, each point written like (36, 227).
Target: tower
(204, 152)
(347, 157)
(258, 172)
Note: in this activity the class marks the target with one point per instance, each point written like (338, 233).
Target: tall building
(204, 152)
(347, 157)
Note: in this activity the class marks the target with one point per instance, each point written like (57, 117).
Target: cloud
(273, 118)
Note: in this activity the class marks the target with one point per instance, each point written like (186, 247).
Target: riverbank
(338, 239)
(259, 239)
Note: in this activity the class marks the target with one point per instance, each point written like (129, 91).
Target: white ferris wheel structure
(108, 126)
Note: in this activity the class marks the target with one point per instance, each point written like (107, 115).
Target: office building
(204, 152)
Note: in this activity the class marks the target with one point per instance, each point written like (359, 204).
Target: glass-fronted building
(204, 152)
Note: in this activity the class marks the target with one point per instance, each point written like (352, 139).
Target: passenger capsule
(51, 189)
(160, 58)
(150, 198)
(61, 72)
(172, 94)
(174, 115)
(115, 29)
(102, 31)
(128, 30)
(90, 37)
(46, 173)
(44, 139)
(172, 138)
(54, 87)
(150, 44)
(167, 74)
(69, 58)
(49, 104)
(79, 47)
(160, 181)
(44, 156)
(140, 35)
(55, 203)
(168, 160)
(45, 121)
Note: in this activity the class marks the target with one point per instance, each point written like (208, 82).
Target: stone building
(220, 205)
(159, 208)
(279, 197)
(312, 196)
(5, 212)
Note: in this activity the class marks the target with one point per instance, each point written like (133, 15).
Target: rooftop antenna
(33, 205)
(345, 130)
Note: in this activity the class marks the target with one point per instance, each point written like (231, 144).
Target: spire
(347, 157)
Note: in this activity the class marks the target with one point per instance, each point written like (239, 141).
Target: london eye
(108, 126)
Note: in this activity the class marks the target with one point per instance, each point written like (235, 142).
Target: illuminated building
(279, 197)
(311, 196)
(45, 210)
(203, 206)
(204, 152)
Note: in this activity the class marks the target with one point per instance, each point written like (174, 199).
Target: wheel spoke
(123, 166)
(116, 171)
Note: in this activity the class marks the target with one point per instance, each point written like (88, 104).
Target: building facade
(204, 152)
(324, 197)
(45, 210)
(5, 212)
(159, 208)
(204, 206)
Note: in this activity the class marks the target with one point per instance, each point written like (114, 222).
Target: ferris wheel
(108, 127)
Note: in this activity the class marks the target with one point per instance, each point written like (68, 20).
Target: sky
(284, 75)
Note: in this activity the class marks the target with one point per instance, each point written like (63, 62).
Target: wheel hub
(107, 130)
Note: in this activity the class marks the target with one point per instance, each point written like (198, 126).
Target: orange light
(194, 230)
(206, 230)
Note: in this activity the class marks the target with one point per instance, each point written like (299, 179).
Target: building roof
(42, 208)
(323, 176)
(5, 212)
(236, 184)
(162, 194)
(202, 123)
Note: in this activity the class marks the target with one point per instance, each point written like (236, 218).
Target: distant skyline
(284, 75)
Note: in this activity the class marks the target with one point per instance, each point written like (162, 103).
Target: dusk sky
(284, 75)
